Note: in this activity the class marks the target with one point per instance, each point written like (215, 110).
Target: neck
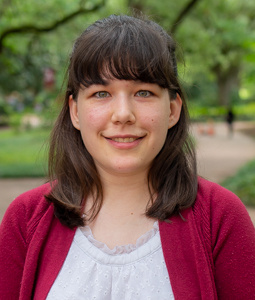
(121, 219)
(125, 190)
(123, 194)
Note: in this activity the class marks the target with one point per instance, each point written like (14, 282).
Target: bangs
(124, 52)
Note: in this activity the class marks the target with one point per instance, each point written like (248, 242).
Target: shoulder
(218, 202)
(225, 225)
(220, 211)
(27, 209)
(31, 202)
(215, 197)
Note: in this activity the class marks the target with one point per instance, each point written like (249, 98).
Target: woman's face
(124, 124)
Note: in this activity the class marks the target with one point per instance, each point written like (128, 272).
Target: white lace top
(93, 271)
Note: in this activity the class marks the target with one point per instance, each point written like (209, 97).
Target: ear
(175, 110)
(73, 108)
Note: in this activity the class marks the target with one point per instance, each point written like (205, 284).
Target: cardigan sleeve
(13, 249)
(16, 231)
(233, 246)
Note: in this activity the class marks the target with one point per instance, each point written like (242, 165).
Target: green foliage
(243, 184)
(25, 56)
(218, 113)
(214, 37)
(22, 154)
(4, 113)
(218, 37)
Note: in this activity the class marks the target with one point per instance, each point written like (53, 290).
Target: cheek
(157, 124)
(91, 117)
(157, 119)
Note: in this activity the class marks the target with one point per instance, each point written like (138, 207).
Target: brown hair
(128, 48)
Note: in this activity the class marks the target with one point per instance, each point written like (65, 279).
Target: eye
(143, 93)
(102, 94)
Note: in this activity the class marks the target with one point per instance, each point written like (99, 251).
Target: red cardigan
(211, 255)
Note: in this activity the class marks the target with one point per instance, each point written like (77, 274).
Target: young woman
(124, 215)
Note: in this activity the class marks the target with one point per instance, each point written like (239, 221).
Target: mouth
(124, 139)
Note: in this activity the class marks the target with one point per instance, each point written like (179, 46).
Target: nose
(123, 111)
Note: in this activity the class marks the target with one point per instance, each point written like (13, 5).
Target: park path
(219, 157)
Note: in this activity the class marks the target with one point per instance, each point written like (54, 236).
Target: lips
(124, 140)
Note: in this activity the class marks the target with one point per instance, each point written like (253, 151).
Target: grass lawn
(23, 154)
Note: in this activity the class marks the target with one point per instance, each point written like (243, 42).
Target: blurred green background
(216, 54)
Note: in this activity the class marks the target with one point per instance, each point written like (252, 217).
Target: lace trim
(123, 248)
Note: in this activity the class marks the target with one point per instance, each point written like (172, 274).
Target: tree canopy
(217, 38)
(217, 41)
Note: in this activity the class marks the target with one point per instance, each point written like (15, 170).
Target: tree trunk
(227, 82)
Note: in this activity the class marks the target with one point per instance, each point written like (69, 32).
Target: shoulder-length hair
(128, 48)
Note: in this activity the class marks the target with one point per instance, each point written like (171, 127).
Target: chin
(124, 167)
(130, 169)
